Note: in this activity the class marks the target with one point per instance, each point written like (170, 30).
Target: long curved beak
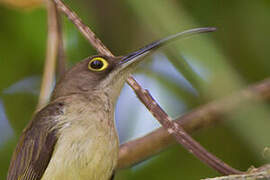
(135, 56)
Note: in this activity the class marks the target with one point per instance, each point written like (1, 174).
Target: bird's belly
(91, 156)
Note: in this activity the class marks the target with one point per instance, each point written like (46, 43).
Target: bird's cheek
(84, 87)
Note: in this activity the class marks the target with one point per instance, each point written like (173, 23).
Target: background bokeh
(182, 76)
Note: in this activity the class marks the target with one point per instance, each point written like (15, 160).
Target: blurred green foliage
(230, 59)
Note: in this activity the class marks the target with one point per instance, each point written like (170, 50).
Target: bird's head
(103, 73)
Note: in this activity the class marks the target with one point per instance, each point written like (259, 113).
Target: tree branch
(262, 173)
(85, 30)
(142, 148)
(61, 65)
(179, 133)
(51, 55)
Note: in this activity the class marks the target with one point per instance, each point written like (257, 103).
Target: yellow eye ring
(98, 64)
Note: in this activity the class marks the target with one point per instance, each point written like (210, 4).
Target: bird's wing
(35, 147)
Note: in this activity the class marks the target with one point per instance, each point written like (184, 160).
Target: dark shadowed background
(186, 74)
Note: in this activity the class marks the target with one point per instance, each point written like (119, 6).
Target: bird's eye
(97, 64)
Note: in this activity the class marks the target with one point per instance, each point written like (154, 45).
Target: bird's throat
(87, 146)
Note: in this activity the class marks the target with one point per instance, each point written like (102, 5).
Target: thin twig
(179, 133)
(181, 136)
(85, 30)
(61, 65)
(51, 55)
(142, 148)
(262, 173)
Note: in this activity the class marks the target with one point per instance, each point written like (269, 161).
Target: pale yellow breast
(87, 148)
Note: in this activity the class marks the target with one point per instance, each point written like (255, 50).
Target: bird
(74, 136)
